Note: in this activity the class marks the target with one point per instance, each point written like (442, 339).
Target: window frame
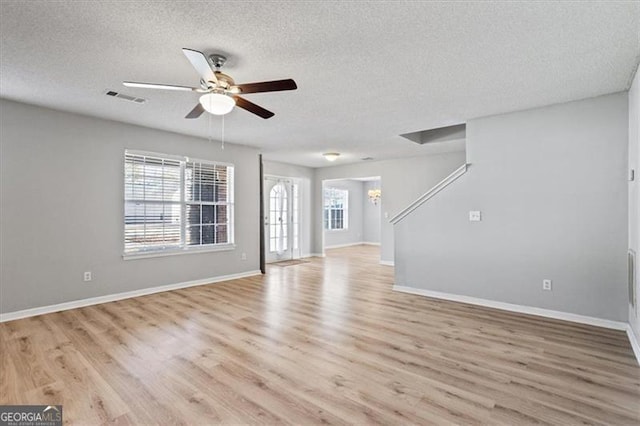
(182, 247)
(326, 225)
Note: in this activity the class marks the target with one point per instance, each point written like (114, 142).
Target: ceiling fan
(219, 92)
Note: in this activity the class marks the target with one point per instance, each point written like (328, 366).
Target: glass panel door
(281, 219)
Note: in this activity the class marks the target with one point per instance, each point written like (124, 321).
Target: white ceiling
(366, 71)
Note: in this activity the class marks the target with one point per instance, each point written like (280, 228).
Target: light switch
(475, 216)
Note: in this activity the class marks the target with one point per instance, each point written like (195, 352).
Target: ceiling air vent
(440, 134)
(125, 97)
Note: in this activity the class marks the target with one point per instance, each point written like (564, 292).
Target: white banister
(430, 193)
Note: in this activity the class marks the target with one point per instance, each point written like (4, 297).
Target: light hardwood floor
(320, 342)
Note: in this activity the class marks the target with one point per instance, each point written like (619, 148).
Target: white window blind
(208, 203)
(336, 214)
(174, 203)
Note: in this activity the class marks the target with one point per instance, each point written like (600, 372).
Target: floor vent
(125, 97)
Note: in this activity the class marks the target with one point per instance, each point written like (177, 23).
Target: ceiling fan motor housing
(224, 81)
(217, 60)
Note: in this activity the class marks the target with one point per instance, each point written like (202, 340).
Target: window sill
(336, 230)
(174, 252)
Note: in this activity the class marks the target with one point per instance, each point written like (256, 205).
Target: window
(336, 214)
(173, 204)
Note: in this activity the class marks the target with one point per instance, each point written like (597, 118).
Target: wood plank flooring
(320, 342)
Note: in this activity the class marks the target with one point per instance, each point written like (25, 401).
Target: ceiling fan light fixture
(331, 156)
(219, 89)
(217, 103)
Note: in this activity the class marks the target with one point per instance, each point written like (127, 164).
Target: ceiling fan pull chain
(223, 132)
(210, 133)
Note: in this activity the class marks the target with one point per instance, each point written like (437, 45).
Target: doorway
(351, 212)
(281, 219)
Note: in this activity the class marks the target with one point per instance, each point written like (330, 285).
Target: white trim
(279, 179)
(566, 316)
(175, 157)
(186, 250)
(388, 262)
(10, 316)
(634, 342)
(430, 193)
(359, 243)
(311, 255)
(367, 243)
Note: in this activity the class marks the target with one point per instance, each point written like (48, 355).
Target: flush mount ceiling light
(331, 156)
(217, 103)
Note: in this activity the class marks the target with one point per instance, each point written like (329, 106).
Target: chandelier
(374, 196)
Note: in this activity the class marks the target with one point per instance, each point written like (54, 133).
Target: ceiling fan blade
(158, 86)
(268, 86)
(201, 64)
(253, 108)
(196, 111)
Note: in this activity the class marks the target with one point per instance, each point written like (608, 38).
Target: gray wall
(634, 189)
(402, 182)
(61, 208)
(551, 185)
(354, 232)
(304, 176)
(370, 215)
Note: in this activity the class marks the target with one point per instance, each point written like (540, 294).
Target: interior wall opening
(351, 212)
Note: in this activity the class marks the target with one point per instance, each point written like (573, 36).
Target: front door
(280, 221)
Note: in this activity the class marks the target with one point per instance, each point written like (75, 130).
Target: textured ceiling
(366, 71)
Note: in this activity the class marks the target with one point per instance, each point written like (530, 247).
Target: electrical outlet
(243, 256)
(87, 276)
(475, 216)
(546, 285)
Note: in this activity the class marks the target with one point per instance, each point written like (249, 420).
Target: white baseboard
(10, 316)
(359, 243)
(367, 243)
(566, 316)
(634, 342)
(313, 255)
(387, 262)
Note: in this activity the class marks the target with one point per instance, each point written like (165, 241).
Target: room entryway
(351, 212)
(281, 219)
